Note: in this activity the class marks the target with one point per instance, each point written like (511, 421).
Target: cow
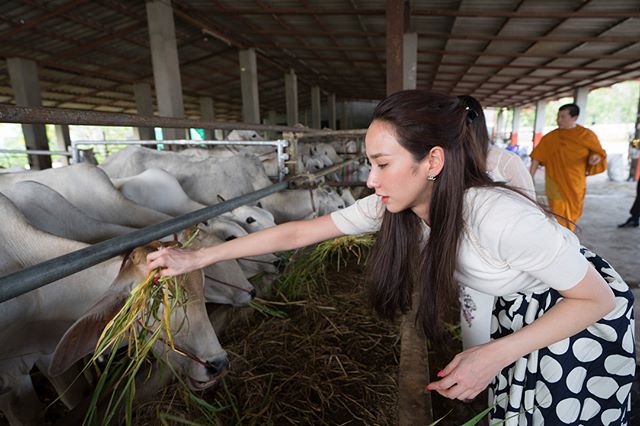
(49, 211)
(156, 189)
(49, 311)
(89, 189)
(191, 330)
(227, 230)
(205, 180)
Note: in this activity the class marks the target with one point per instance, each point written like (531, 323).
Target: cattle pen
(174, 74)
(54, 269)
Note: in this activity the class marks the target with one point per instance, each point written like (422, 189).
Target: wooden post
(414, 407)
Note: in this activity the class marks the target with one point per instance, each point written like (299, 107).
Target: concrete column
(395, 15)
(144, 105)
(409, 60)
(63, 141)
(515, 125)
(166, 67)
(207, 112)
(580, 98)
(249, 82)
(538, 123)
(316, 115)
(23, 74)
(331, 110)
(271, 119)
(497, 129)
(344, 116)
(291, 96)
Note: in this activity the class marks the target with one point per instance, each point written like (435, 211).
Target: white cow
(191, 330)
(302, 203)
(202, 180)
(49, 211)
(158, 190)
(346, 195)
(48, 312)
(225, 282)
(226, 230)
(205, 180)
(325, 150)
(90, 190)
(348, 147)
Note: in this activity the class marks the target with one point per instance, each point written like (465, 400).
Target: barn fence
(36, 276)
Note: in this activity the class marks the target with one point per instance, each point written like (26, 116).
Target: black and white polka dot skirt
(582, 380)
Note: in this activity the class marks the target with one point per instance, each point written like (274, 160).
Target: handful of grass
(144, 320)
(139, 324)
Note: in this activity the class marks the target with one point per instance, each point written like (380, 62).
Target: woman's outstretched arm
(287, 236)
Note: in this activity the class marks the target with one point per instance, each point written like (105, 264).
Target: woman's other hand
(470, 372)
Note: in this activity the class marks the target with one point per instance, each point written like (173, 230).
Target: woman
(563, 343)
(502, 166)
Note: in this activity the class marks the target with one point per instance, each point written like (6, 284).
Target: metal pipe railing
(36, 276)
(313, 133)
(34, 152)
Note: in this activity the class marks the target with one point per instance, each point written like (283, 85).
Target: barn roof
(504, 52)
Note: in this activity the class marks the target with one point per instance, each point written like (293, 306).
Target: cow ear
(80, 340)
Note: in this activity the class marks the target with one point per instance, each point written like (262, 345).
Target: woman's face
(399, 181)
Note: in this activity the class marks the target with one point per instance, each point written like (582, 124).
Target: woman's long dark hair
(398, 267)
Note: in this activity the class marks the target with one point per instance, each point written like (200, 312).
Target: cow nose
(217, 366)
(253, 293)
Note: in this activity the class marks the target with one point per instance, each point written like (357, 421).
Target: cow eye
(250, 220)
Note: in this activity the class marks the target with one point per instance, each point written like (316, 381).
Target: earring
(431, 177)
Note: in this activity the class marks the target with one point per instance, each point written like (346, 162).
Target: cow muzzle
(214, 370)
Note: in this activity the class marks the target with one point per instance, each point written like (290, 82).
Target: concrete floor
(607, 204)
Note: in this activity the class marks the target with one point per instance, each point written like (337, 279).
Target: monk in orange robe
(568, 154)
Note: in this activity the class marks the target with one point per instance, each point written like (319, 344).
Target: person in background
(502, 166)
(634, 219)
(562, 343)
(569, 154)
(634, 157)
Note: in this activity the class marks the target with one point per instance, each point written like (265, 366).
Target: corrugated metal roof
(504, 52)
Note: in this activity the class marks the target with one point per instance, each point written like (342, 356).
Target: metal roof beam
(483, 13)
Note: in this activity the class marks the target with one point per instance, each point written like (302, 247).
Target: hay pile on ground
(328, 362)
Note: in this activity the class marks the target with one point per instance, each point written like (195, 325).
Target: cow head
(222, 229)
(193, 332)
(252, 218)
